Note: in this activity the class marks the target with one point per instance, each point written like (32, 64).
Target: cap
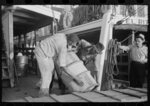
(141, 36)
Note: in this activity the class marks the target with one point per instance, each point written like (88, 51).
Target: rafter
(20, 20)
(24, 15)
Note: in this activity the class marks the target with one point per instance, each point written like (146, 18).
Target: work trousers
(46, 66)
(137, 74)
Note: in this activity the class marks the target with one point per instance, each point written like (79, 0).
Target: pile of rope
(111, 63)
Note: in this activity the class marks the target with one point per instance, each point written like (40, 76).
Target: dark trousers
(137, 74)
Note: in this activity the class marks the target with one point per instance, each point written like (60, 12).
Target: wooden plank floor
(115, 95)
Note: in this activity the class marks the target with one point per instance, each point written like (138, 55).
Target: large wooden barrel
(76, 68)
(21, 63)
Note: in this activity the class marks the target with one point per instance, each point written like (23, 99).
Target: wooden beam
(20, 20)
(39, 9)
(7, 21)
(105, 34)
(143, 28)
(83, 27)
(24, 15)
(39, 25)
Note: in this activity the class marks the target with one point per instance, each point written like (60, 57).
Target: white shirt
(138, 54)
(55, 46)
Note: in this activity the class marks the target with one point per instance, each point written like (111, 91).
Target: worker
(138, 54)
(49, 51)
(87, 51)
(89, 56)
(54, 49)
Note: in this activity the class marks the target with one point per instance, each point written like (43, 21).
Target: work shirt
(52, 47)
(138, 54)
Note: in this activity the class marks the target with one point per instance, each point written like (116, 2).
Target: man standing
(138, 55)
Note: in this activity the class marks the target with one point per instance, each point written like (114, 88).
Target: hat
(141, 36)
(73, 38)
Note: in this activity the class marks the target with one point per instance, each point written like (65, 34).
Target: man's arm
(124, 48)
(85, 43)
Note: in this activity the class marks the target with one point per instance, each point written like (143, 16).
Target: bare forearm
(125, 48)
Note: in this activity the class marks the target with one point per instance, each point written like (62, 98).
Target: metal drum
(76, 68)
(21, 64)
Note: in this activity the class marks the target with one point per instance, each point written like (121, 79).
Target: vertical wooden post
(7, 22)
(104, 36)
(11, 49)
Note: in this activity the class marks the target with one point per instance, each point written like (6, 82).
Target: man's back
(53, 44)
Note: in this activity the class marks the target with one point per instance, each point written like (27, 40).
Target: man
(50, 51)
(86, 52)
(46, 52)
(89, 56)
(138, 55)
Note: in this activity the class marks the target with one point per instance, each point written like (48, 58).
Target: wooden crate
(115, 95)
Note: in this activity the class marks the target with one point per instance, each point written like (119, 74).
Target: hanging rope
(112, 53)
(127, 37)
(111, 63)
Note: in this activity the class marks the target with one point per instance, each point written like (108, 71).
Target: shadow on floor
(25, 87)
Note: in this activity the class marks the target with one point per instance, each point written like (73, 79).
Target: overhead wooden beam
(39, 9)
(39, 25)
(24, 15)
(135, 27)
(20, 20)
(83, 27)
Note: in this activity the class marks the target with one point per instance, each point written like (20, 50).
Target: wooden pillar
(104, 36)
(7, 22)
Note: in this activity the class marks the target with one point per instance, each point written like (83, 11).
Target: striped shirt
(54, 46)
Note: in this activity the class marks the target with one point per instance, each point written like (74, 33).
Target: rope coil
(112, 53)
